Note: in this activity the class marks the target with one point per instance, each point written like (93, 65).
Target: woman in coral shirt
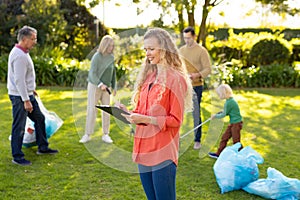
(162, 93)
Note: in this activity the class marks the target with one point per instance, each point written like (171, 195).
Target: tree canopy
(62, 24)
(69, 26)
(280, 6)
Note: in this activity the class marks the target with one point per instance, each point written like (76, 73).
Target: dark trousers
(197, 97)
(233, 131)
(159, 181)
(18, 126)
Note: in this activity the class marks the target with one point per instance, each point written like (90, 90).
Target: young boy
(231, 108)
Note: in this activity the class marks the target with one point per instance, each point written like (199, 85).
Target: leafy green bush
(269, 51)
(53, 68)
(274, 75)
(3, 68)
(46, 72)
(238, 46)
(56, 72)
(296, 53)
(296, 50)
(297, 73)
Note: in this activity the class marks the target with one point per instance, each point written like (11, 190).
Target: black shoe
(47, 151)
(22, 162)
(213, 155)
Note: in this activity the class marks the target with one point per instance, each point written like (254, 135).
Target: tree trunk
(191, 16)
(202, 34)
(179, 8)
(191, 19)
(181, 26)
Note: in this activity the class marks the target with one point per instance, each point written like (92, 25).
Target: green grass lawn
(100, 171)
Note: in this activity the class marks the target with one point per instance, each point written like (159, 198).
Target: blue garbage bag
(275, 186)
(235, 169)
(52, 122)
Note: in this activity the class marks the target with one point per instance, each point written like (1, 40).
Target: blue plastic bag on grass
(275, 186)
(52, 122)
(235, 169)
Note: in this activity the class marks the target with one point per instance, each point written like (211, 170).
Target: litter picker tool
(195, 128)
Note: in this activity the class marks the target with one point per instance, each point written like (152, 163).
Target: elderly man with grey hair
(21, 90)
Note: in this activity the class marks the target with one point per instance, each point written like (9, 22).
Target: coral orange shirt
(154, 144)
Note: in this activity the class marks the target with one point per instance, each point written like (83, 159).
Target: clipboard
(114, 111)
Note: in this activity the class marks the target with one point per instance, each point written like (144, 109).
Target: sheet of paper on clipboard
(114, 111)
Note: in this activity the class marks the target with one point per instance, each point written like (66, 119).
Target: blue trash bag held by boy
(235, 169)
(275, 186)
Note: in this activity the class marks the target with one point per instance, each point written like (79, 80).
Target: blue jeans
(197, 112)
(159, 181)
(18, 126)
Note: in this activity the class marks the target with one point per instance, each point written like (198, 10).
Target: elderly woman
(102, 76)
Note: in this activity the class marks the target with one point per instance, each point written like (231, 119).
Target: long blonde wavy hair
(169, 57)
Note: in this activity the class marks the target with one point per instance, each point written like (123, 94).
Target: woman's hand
(140, 119)
(121, 106)
(103, 87)
(135, 118)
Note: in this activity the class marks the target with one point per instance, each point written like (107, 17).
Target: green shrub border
(274, 75)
